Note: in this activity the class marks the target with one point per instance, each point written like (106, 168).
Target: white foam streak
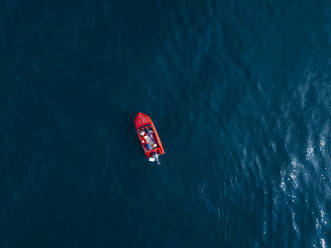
(310, 150)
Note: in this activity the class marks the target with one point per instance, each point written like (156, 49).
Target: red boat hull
(142, 122)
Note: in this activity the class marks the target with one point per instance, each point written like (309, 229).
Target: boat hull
(143, 122)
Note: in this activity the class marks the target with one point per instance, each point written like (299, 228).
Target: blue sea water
(239, 91)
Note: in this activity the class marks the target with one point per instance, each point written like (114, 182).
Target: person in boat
(142, 132)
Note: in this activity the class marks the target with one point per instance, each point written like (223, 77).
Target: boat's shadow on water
(124, 140)
(128, 161)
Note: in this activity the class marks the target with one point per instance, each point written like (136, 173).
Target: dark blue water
(240, 92)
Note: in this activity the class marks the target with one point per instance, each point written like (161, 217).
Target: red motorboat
(148, 137)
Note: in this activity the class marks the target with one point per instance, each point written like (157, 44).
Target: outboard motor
(154, 157)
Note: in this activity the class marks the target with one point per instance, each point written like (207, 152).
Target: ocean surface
(239, 91)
